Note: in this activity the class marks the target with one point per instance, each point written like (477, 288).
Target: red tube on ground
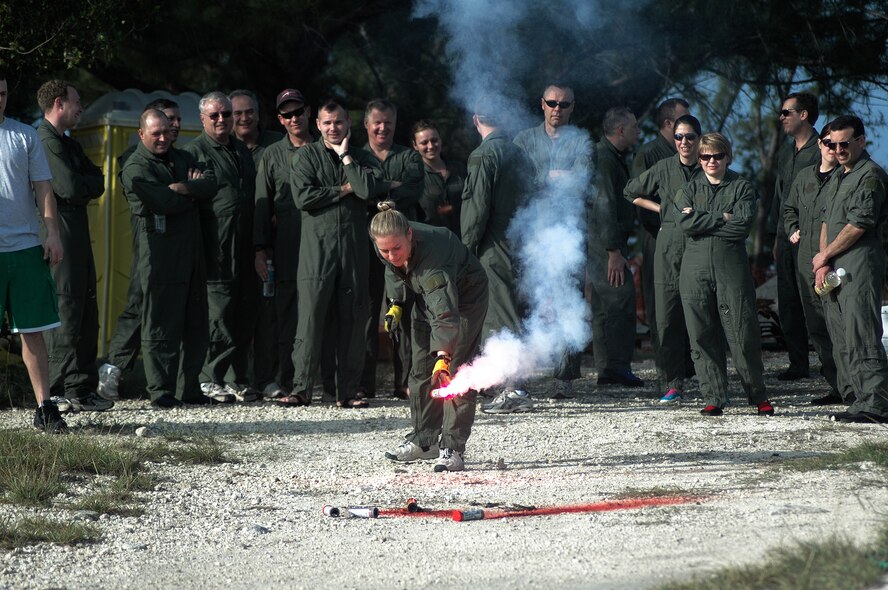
(606, 506)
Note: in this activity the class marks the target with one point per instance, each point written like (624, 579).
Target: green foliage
(30, 531)
(832, 564)
(33, 466)
(870, 452)
(38, 37)
(107, 502)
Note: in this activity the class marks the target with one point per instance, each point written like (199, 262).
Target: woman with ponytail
(450, 289)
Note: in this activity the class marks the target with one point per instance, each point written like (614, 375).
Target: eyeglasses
(290, 114)
(832, 145)
(787, 112)
(215, 116)
(689, 136)
(718, 157)
(554, 103)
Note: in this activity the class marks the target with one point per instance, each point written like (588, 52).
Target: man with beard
(851, 239)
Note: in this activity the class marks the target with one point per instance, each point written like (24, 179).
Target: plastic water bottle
(268, 284)
(160, 224)
(832, 280)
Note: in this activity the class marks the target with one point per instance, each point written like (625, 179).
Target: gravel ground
(257, 523)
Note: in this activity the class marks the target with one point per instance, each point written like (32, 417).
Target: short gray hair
(214, 96)
(248, 94)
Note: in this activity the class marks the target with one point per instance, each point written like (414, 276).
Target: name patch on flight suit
(434, 282)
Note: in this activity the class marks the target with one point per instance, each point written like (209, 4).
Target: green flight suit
(647, 155)
(171, 274)
(333, 261)
(266, 140)
(611, 222)
(789, 300)
(227, 227)
(716, 285)
(664, 179)
(450, 302)
(571, 152)
(405, 165)
(73, 347)
(497, 182)
(265, 332)
(803, 212)
(853, 311)
(127, 337)
(441, 200)
(277, 227)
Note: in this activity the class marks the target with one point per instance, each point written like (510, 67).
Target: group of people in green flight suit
(831, 208)
(209, 219)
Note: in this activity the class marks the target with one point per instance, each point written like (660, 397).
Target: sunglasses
(554, 103)
(689, 136)
(832, 145)
(787, 112)
(215, 116)
(718, 157)
(290, 114)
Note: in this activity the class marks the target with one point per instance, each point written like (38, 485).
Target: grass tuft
(107, 502)
(206, 451)
(874, 452)
(833, 564)
(30, 531)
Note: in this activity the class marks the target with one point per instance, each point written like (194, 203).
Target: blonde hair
(388, 222)
(714, 143)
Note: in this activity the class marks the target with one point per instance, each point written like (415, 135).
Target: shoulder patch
(872, 184)
(434, 281)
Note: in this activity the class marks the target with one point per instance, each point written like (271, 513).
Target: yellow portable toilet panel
(106, 129)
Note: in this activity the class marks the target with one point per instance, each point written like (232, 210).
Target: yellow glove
(441, 372)
(393, 318)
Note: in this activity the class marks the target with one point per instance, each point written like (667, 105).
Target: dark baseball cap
(288, 95)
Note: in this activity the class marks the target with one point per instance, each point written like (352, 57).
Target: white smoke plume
(485, 47)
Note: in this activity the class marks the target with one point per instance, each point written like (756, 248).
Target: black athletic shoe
(48, 419)
(792, 375)
(625, 378)
(861, 418)
(831, 399)
(201, 400)
(166, 402)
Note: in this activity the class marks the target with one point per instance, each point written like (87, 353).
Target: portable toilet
(106, 129)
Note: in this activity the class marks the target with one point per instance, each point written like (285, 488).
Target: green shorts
(27, 291)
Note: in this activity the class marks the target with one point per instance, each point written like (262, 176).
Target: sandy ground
(257, 522)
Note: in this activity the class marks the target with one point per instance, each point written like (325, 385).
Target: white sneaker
(109, 379)
(450, 460)
(410, 451)
(216, 392)
(243, 394)
(508, 402)
(273, 391)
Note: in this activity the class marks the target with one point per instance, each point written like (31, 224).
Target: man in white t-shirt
(27, 291)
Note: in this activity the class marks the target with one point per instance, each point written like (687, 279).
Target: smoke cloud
(487, 46)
